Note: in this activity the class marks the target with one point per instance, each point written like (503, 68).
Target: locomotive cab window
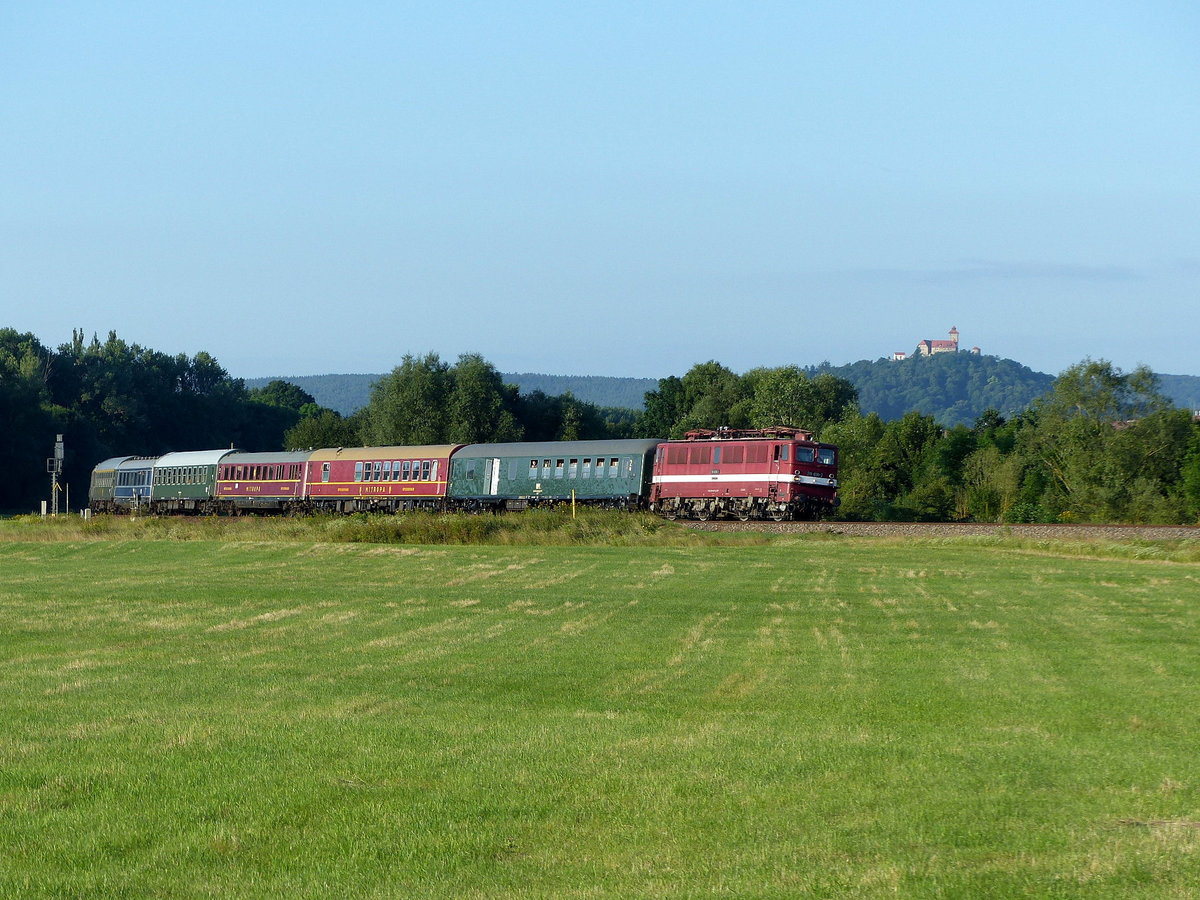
(826, 456)
(805, 454)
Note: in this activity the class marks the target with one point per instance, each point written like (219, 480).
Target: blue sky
(606, 188)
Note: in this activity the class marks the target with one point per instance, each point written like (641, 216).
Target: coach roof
(191, 458)
(558, 449)
(436, 451)
(255, 459)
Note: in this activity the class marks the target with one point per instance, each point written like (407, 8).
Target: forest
(1098, 445)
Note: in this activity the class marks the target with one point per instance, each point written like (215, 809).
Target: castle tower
(954, 337)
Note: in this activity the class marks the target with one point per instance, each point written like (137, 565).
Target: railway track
(963, 529)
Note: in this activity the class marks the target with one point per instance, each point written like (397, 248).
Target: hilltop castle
(928, 347)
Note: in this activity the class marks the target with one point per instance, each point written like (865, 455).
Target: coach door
(491, 476)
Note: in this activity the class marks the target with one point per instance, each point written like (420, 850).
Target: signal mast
(54, 467)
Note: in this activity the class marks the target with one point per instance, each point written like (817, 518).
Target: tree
(664, 407)
(282, 393)
(28, 418)
(787, 396)
(1103, 437)
(480, 407)
(324, 428)
(411, 404)
(711, 393)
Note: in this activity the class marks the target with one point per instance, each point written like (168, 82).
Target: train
(773, 473)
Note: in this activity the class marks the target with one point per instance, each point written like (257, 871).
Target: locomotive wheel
(777, 514)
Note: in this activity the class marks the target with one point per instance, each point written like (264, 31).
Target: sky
(604, 188)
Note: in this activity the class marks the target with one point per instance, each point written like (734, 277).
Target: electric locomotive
(771, 473)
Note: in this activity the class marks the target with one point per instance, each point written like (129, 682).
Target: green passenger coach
(517, 475)
(186, 482)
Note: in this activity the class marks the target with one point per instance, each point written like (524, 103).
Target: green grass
(216, 717)
(535, 527)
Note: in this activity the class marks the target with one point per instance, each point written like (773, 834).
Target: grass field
(797, 717)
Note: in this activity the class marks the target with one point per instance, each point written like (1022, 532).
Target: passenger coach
(262, 482)
(517, 475)
(121, 484)
(186, 482)
(350, 479)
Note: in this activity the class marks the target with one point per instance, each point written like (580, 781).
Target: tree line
(1100, 445)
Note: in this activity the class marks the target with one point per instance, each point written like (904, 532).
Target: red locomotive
(772, 473)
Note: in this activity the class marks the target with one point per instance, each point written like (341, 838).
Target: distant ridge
(954, 388)
(349, 393)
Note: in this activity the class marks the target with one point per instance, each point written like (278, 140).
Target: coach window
(433, 470)
(599, 467)
(573, 469)
(612, 467)
(358, 471)
(425, 470)
(587, 468)
(558, 467)
(533, 469)
(379, 471)
(545, 468)
(325, 473)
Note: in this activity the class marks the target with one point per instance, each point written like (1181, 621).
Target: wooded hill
(955, 389)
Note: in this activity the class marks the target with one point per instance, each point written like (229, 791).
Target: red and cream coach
(772, 473)
(349, 479)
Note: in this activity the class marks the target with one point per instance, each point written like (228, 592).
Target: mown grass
(833, 717)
